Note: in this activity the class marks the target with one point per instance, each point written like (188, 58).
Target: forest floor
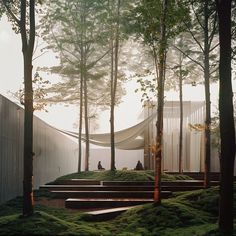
(186, 213)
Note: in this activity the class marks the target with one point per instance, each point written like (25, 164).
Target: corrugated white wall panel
(55, 153)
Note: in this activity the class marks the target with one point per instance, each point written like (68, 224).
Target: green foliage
(145, 20)
(78, 32)
(12, 9)
(39, 93)
(189, 213)
(203, 29)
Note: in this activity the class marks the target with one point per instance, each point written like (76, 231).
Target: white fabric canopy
(127, 139)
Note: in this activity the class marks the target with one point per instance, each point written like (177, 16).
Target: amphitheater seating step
(85, 203)
(108, 194)
(151, 183)
(77, 182)
(87, 194)
(107, 214)
(165, 187)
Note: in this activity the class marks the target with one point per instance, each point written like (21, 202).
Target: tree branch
(32, 26)
(212, 72)
(23, 26)
(11, 13)
(213, 31)
(61, 49)
(211, 49)
(100, 58)
(39, 55)
(185, 54)
(196, 15)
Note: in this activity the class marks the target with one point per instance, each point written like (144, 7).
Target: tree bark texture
(114, 79)
(86, 125)
(227, 128)
(160, 106)
(207, 131)
(27, 50)
(181, 117)
(80, 124)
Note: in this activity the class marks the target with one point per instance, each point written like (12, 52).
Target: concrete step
(108, 194)
(127, 183)
(77, 182)
(107, 214)
(84, 203)
(117, 188)
(151, 183)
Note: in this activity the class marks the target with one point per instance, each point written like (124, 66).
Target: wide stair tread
(90, 194)
(108, 194)
(85, 203)
(107, 214)
(118, 188)
(77, 182)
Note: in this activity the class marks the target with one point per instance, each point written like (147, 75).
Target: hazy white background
(127, 113)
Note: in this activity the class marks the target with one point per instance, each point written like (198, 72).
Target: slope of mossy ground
(120, 175)
(188, 213)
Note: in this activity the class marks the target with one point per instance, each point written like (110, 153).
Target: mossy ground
(186, 214)
(121, 175)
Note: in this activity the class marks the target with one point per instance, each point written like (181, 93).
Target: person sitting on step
(100, 166)
(139, 166)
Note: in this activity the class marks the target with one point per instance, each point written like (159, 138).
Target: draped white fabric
(127, 139)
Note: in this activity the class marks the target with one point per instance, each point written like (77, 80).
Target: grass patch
(187, 213)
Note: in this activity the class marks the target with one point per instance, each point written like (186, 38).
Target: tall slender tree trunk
(28, 138)
(86, 125)
(27, 50)
(207, 99)
(181, 116)
(81, 46)
(160, 106)
(86, 121)
(80, 123)
(112, 128)
(227, 128)
(114, 79)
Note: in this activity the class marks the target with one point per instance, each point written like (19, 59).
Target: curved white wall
(55, 153)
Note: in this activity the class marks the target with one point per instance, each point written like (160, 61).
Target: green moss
(204, 199)
(121, 175)
(188, 213)
(170, 215)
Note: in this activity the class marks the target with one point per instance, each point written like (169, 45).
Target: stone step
(84, 203)
(173, 188)
(77, 182)
(108, 194)
(107, 214)
(151, 183)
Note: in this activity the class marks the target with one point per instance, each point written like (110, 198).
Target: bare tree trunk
(181, 117)
(160, 106)
(28, 139)
(112, 128)
(207, 99)
(114, 78)
(27, 49)
(86, 125)
(80, 123)
(81, 46)
(227, 128)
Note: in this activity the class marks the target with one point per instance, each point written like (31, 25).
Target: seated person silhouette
(100, 166)
(139, 166)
